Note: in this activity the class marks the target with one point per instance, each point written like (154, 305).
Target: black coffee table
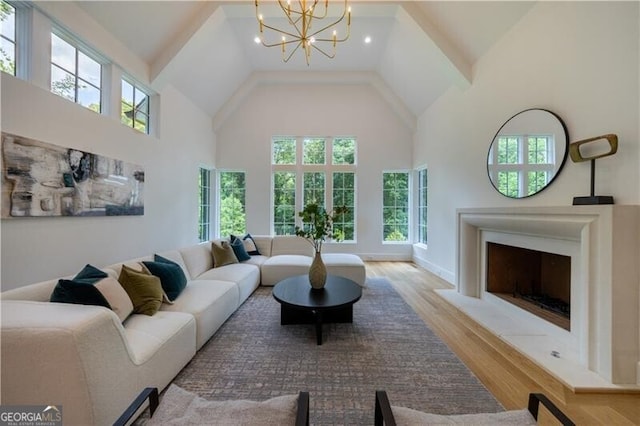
(300, 304)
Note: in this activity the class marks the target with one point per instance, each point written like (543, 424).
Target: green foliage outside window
(344, 151)
(284, 151)
(508, 150)
(232, 204)
(313, 151)
(7, 38)
(395, 210)
(344, 194)
(284, 210)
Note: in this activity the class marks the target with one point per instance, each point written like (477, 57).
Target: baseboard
(441, 272)
(385, 257)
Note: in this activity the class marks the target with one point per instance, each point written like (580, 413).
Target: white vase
(317, 272)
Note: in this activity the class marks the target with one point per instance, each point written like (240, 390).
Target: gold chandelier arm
(333, 55)
(292, 52)
(295, 36)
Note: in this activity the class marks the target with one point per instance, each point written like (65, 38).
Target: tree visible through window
(75, 75)
(395, 208)
(7, 38)
(204, 210)
(232, 204)
(302, 174)
(134, 107)
(422, 206)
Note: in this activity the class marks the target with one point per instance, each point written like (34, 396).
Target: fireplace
(585, 257)
(536, 281)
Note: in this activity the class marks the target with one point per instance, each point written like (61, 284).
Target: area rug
(386, 347)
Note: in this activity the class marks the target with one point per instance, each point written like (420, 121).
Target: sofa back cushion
(197, 259)
(263, 242)
(290, 245)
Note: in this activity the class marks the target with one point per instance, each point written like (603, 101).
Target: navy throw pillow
(171, 275)
(238, 249)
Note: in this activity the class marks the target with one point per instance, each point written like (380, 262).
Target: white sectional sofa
(87, 360)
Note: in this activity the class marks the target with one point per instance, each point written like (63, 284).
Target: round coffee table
(300, 304)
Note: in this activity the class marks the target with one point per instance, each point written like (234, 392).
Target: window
(284, 203)
(344, 194)
(7, 38)
(422, 206)
(204, 211)
(395, 208)
(74, 74)
(522, 164)
(302, 174)
(232, 219)
(135, 107)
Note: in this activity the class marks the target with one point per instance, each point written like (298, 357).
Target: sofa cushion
(170, 273)
(94, 287)
(285, 244)
(210, 302)
(277, 268)
(222, 254)
(239, 250)
(410, 417)
(144, 290)
(197, 258)
(346, 265)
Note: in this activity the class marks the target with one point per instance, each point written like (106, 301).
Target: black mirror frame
(562, 163)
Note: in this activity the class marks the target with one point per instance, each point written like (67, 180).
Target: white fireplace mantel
(602, 349)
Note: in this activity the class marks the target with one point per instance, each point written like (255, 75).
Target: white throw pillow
(180, 407)
(408, 417)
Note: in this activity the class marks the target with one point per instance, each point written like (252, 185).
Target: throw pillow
(239, 250)
(223, 254)
(249, 244)
(180, 407)
(170, 273)
(408, 416)
(94, 287)
(144, 290)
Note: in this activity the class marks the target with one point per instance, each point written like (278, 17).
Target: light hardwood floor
(508, 375)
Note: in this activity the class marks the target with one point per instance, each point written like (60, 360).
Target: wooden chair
(384, 414)
(302, 415)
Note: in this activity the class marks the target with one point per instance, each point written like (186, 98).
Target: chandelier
(301, 16)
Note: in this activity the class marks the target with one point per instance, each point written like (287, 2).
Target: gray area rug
(387, 347)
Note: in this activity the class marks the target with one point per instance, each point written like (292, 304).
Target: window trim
(16, 31)
(207, 203)
(131, 81)
(418, 205)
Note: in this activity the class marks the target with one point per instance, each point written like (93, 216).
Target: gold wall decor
(578, 157)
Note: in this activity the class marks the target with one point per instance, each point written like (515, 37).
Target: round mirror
(527, 153)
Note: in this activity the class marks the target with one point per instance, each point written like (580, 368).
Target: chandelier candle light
(301, 16)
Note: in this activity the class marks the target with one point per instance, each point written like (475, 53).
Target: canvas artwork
(40, 179)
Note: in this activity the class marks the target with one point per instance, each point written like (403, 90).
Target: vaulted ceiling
(206, 49)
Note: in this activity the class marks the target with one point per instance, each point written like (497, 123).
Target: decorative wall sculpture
(41, 179)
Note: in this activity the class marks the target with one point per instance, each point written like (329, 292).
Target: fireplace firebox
(536, 281)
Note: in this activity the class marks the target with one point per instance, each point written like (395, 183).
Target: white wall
(383, 143)
(34, 249)
(577, 59)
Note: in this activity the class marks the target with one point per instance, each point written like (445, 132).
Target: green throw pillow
(239, 250)
(144, 290)
(170, 273)
(223, 254)
(93, 287)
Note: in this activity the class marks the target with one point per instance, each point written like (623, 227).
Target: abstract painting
(40, 179)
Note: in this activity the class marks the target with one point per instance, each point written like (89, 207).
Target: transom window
(522, 164)
(7, 38)
(313, 169)
(135, 107)
(395, 206)
(74, 74)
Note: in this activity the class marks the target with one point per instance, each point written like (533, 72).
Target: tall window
(74, 74)
(313, 169)
(422, 206)
(135, 107)
(7, 38)
(522, 165)
(344, 194)
(204, 211)
(284, 200)
(232, 218)
(395, 208)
